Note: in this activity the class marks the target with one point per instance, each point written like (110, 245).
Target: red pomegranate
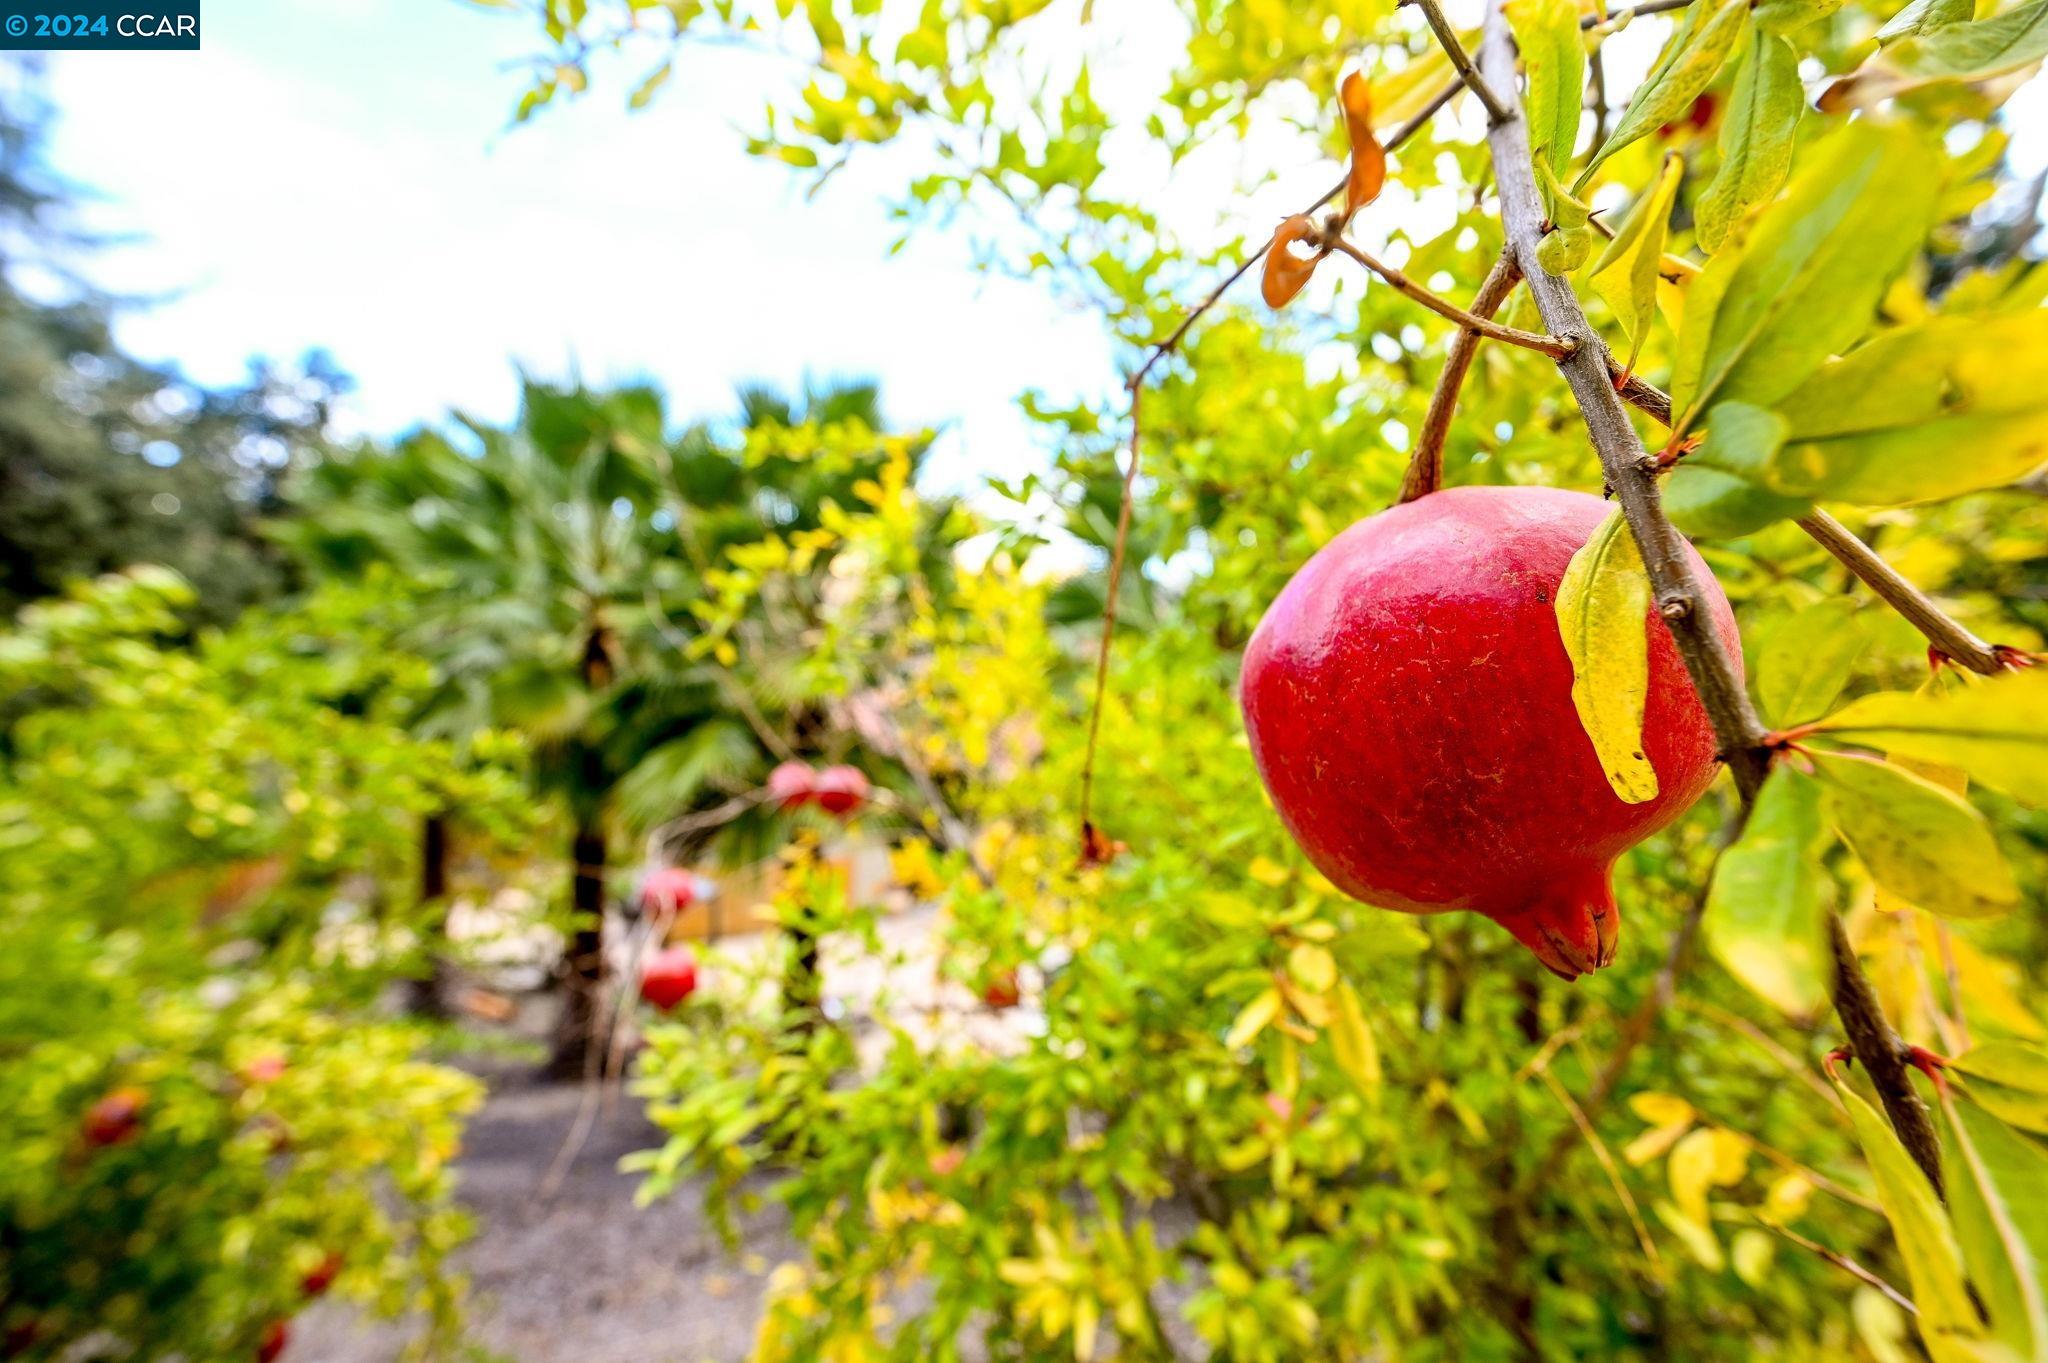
(842, 790)
(264, 1069)
(1002, 990)
(116, 1118)
(792, 784)
(1408, 700)
(667, 889)
(670, 977)
(275, 1336)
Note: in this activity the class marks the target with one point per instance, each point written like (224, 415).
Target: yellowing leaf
(1764, 906)
(1932, 410)
(1692, 1174)
(1698, 1240)
(1756, 138)
(1351, 1039)
(1997, 1185)
(1923, 843)
(2008, 1079)
(1920, 1229)
(1660, 1108)
(1997, 730)
(1752, 1253)
(1312, 967)
(1254, 1018)
(1881, 1325)
(1602, 609)
(1554, 58)
(1626, 273)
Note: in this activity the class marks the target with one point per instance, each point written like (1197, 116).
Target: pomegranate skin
(668, 977)
(1408, 701)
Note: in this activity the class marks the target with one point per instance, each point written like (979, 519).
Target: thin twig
(1135, 386)
(1954, 642)
(1556, 347)
(1765, 1042)
(1843, 1262)
(1601, 1153)
(1461, 61)
(1675, 586)
(1426, 466)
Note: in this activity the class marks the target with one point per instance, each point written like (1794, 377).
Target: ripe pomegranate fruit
(842, 790)
(275, 1336)
(1408, 700)
(792, 784)
(669, 977)
(667, 889)
(264, 1069)
(116, 1118)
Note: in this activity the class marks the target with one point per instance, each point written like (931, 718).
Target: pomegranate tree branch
(1940, 629)
(1675, 587)
(1882, 1054)
(1556, 347)
(1497, 112)
(1919, 610)
(1426, 465)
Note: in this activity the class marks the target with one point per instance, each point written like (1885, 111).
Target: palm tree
(561, 562)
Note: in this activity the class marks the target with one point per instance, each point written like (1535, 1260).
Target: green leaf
(1685, 68)
(1921, 842)
(1602, 609)
(1998, 1195)
(2008, 1079)
(1804, 660)
(1626, 274)
(1973, 51)
(1806, 279)
(1921, 1230)
(1756, 137)
(1925, 15)
(1764, 907)
(1789, 16)
(643, 93)
(1554, 56)
(1940, 408)
(1995, 730)
(1709, 504)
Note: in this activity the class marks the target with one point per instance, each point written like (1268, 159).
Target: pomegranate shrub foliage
(197, 1111)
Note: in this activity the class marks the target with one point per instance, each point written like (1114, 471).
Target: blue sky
(340, 173)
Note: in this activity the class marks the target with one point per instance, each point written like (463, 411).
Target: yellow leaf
(1654, 1142)
(1919, 841)
(1267, 872)
(1626, 273)
(1692, 1174)
(1660, 1109)
(1752, 1253)
(1602, 605)
(1255, 1018)
(1351, 1039)
(1698, 1240)
(1312, 967)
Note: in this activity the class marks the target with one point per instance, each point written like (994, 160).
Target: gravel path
(583, 1276)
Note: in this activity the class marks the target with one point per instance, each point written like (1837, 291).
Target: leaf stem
(1941, 630)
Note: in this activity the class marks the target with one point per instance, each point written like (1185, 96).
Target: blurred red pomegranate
(322, 1276)
(842, 790)
(276, 1335)
(667, 889)
(1408, 700)
(1002, 990)
(792, 784)
(116, 1118)
(669, 977)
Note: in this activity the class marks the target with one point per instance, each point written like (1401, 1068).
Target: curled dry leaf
(1368, 157)
(1287, 271)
